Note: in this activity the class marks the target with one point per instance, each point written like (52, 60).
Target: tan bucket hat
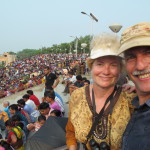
(137, 35)
(105, 44)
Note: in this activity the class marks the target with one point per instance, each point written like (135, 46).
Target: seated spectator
(27, 108)
(33, 97)
(21, 86)
(29, 83)
(6, 106)
(7, 93)
(70, 80)
(86, 82)
(37, 125)
(3, 116)
(15, 135)
(58, 99)
(13, 109)
(17, 120)
(3, 119)
(45, 109)
(79, 83)
(50, 98)
(28, 101)
(21, 125)
(56, 113)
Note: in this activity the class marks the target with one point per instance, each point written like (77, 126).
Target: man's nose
(140, 63)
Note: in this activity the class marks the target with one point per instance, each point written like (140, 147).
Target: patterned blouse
(81, 118)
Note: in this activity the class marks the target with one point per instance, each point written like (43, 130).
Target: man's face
(138, 67)
(44, 111)
(25, 99)
(48, 99)
(46, 71)
(86, 84)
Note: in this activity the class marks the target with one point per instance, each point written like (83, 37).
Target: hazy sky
(38, 23)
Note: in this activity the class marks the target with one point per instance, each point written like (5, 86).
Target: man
(50, 98)
(135, 45)
(28, 101)
(26, 107)
(69, 81)
(44, 109)
(33, 97)
(79, 81)
(51, 79)
(77, 84)
(57, 98)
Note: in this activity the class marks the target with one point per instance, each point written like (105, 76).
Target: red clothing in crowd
(9, 136)
(35, 100)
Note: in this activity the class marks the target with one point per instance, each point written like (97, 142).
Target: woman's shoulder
(78, 95)
(78, 91)
(128, 96)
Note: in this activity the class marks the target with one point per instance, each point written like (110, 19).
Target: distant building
(6, 58)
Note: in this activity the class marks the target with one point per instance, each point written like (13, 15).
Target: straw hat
(137, 35)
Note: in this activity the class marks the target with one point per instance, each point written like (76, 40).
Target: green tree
(61, 48)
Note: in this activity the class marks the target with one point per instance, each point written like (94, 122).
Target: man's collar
(48, 74)
(135, 102)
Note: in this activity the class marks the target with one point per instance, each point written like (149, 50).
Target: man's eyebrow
(146, 49)
(128, 53)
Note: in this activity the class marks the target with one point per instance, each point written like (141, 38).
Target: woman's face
(12, 111)
(105, 71)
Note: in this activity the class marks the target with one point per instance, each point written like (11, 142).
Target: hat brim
(140, 41)
(101, 53)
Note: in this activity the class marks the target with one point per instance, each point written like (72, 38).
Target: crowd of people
(30, 113)
(26, 73)
(27, 115)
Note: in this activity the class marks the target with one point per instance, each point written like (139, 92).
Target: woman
(98, 114)
(15, 135)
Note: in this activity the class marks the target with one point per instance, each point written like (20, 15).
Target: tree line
(57, 48)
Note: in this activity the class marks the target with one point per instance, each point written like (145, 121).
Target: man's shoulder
(27, 106)
(29, 101)
(6, 109)
(51, 75)
(33, 97)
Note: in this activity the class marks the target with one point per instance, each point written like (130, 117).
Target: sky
(33, 24)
